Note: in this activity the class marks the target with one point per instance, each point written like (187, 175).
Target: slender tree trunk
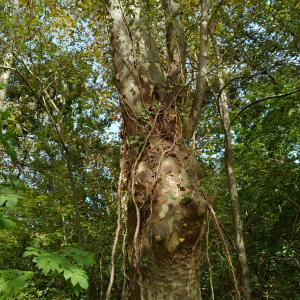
(7, 57)
(166, 208)
(75, 198)
(65, 152)
(232, 186)
(4, 77)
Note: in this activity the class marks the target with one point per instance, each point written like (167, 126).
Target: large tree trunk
(164, 243)
(166, 208)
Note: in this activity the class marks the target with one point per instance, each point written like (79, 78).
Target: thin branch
(125, 279)
(218, 6)
(231, 181)
(261, 100)
(137, 228)
(116, 239)
(7, 68)
(245, 77)
(63, 145)
(100, 276)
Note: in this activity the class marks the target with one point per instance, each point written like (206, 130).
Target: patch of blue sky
(113, 131)
(80, 38)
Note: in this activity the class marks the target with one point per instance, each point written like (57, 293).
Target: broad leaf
(8, 196)
(11, 281)
(7, 223)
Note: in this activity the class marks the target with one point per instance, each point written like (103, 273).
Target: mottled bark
(171, 211)
(176, 44)
(166, 208)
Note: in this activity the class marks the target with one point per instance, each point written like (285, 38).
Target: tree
(223, 107)
(166, 208)
(62, 75)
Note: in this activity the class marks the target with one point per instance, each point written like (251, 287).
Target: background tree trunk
(8, 56)
(4, 77)
(231, 183)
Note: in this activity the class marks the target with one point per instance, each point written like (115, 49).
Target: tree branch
(261, 100)
(135, 56)
(176, 43)
(7, 68)
(199, 96)
(213, 14)
(63, 146)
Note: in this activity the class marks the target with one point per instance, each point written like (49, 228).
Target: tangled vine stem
(120, 197)
(138, 219)
(226, 250)
(124, 291)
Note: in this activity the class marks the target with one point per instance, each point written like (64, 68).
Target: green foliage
(8, 197)
(136, 140)
(8, 134)
(66, 47)
(12, 281)
(69, 264)
(7, 223)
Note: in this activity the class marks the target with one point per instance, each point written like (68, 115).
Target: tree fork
(166, 209)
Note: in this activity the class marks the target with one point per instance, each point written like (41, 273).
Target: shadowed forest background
(61, 131)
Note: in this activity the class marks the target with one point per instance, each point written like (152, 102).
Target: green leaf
(80, 277)
(4, 115)
(68, 264)
(12, 281)
(6, 223)
(8, 196)
(31, 251)
(67, 274)
(83, 282)
(83, 258)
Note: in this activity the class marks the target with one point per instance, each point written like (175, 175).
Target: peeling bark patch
(164, 210)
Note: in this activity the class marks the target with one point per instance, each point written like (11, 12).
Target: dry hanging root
(138, 221)
(138, 217)
(120, 198)
(227, 254)
(125, 277)
(208, 261)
